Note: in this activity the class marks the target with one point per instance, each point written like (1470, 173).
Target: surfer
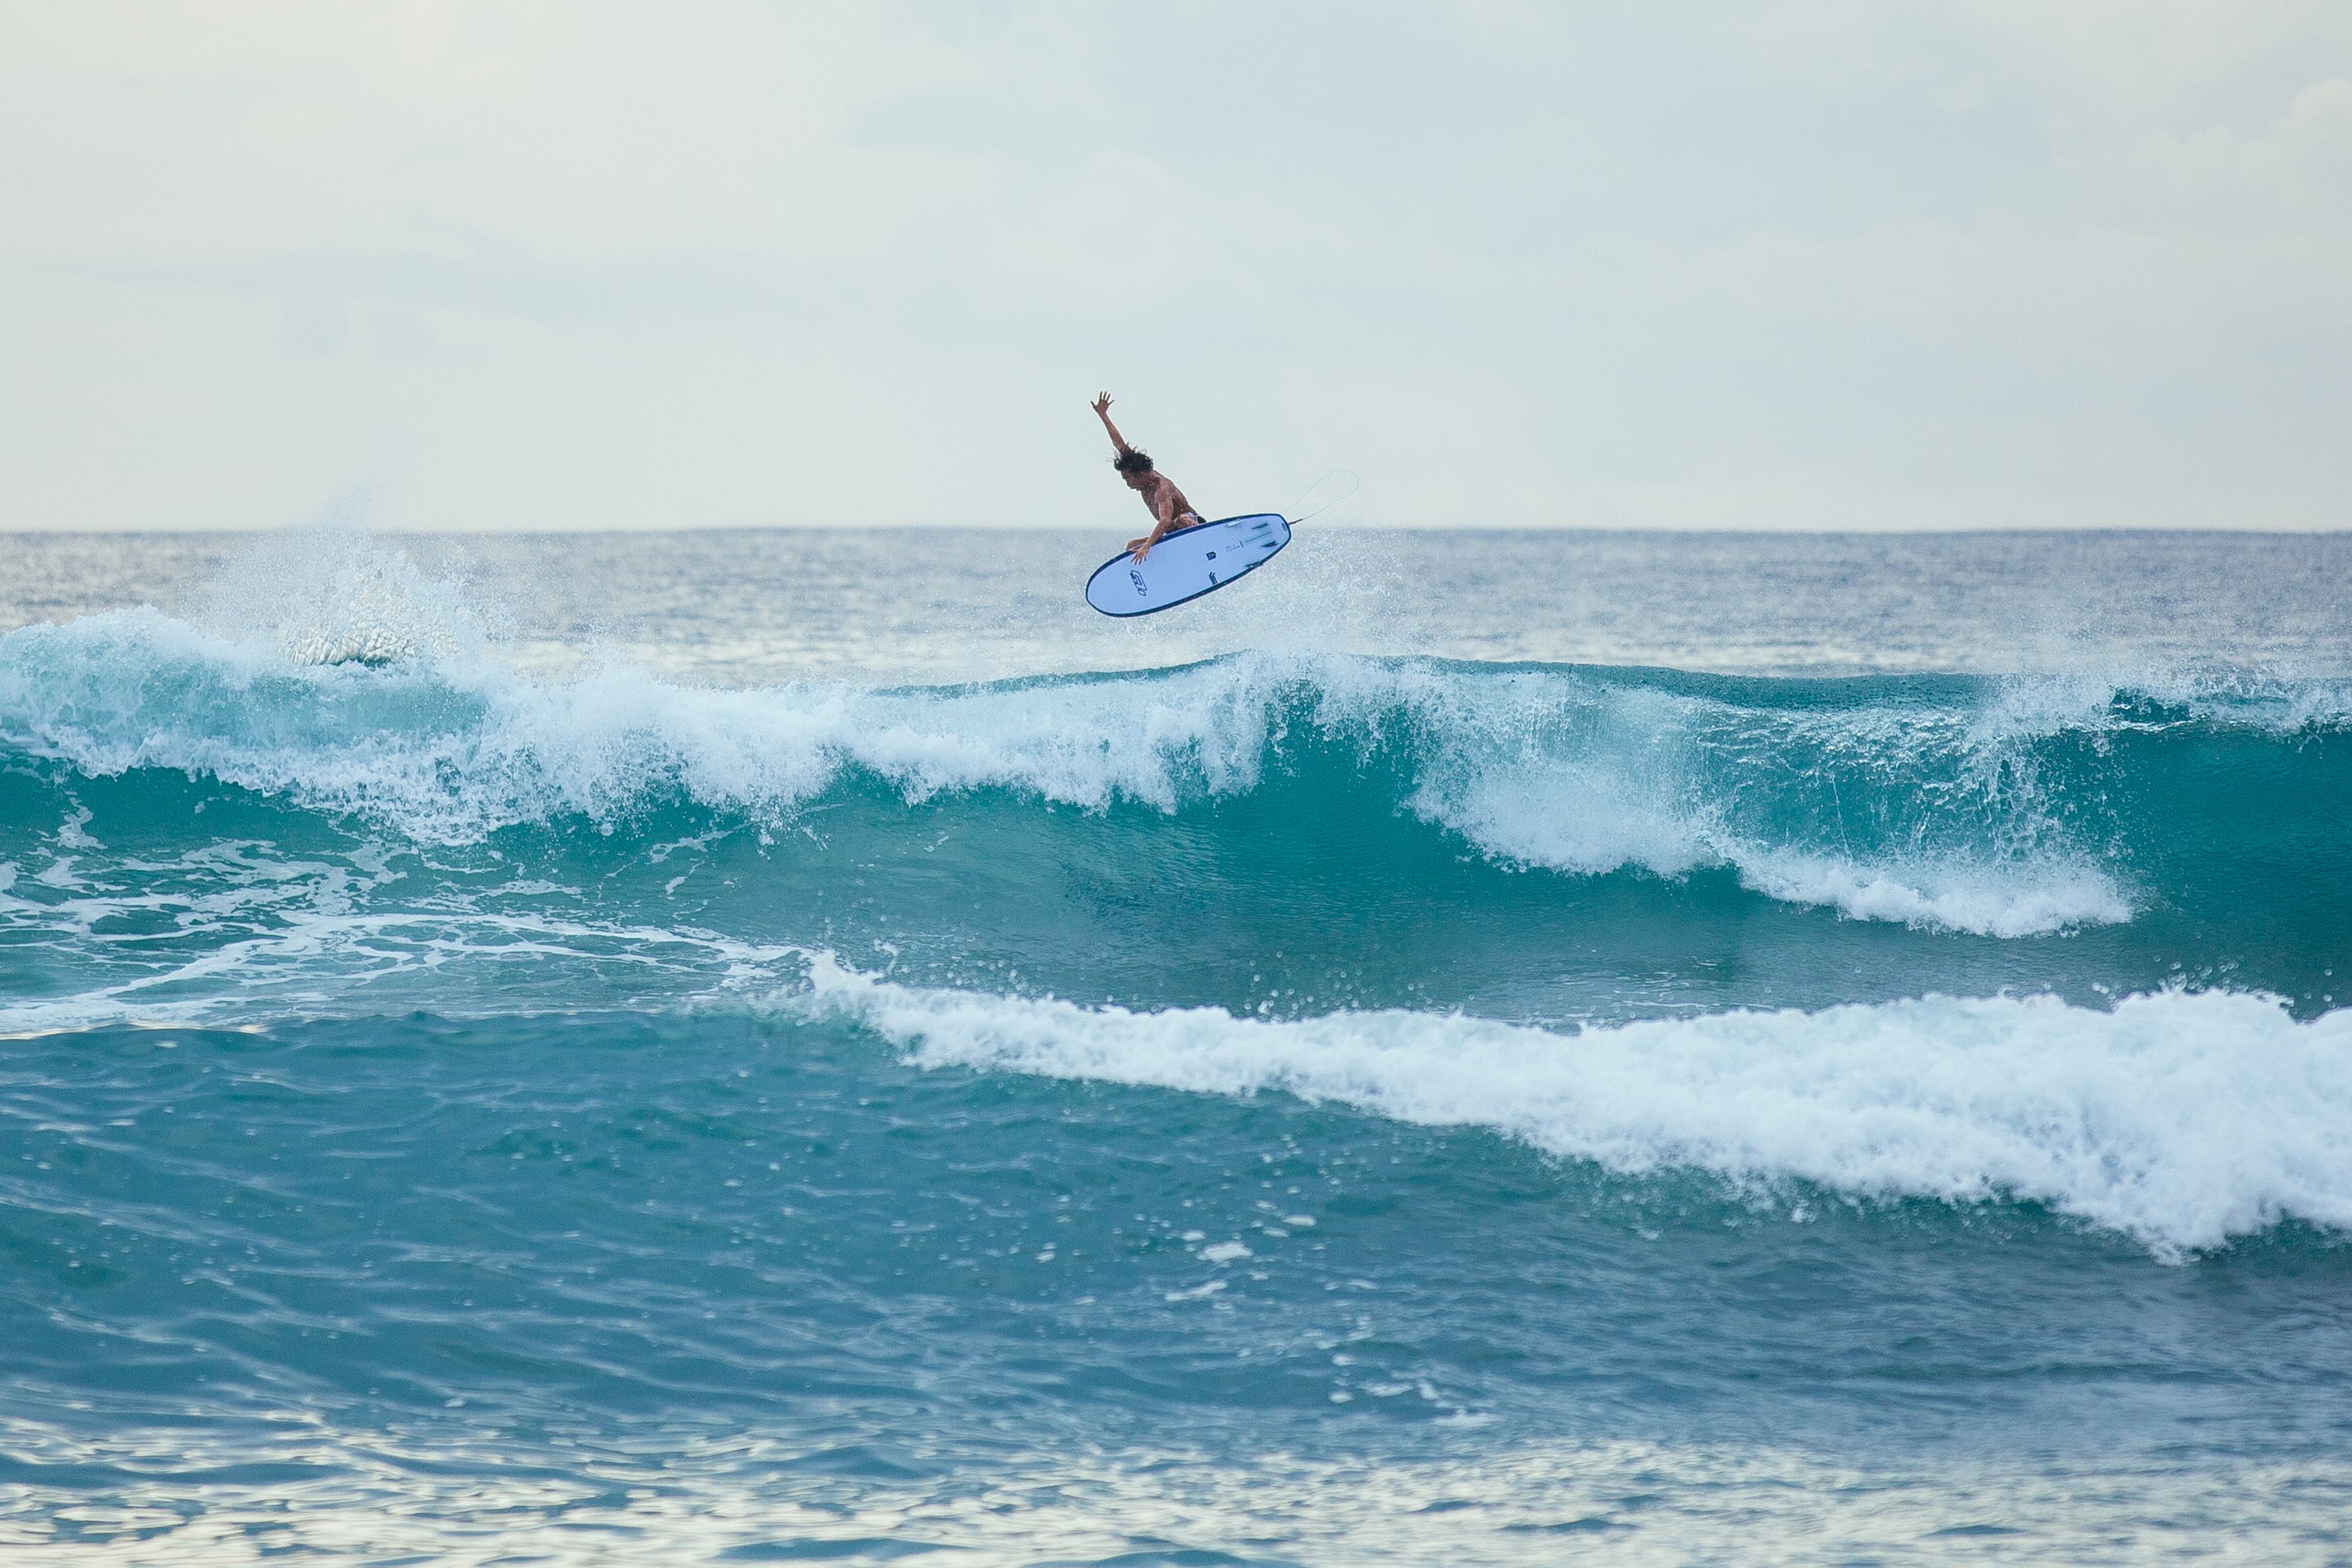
(1169, 510)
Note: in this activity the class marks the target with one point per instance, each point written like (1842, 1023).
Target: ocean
(1462, 1048)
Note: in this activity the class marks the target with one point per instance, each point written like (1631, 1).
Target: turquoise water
(1487, 1049)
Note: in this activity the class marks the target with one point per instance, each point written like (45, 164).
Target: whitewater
(1686, 1047)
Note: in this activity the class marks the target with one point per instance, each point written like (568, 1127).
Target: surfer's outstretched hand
(1102, 402)
(1139, 547)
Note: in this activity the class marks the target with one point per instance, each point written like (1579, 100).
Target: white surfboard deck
(1186, 564)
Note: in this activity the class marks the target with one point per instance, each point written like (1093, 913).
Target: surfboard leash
(1327, 506)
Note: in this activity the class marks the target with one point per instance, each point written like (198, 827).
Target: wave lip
(2180, 1119)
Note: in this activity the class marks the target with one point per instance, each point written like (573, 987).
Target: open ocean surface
(1469, 1047)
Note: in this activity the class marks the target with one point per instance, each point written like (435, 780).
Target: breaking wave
(1964, 804)
(2178, 1120)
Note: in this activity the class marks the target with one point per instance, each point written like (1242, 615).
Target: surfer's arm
(1102, 412)
(1139, 547)
(1163, 507)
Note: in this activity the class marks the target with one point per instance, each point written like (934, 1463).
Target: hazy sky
(490, 264)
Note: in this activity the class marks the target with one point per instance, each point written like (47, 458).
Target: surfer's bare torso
(1166, 502)
(1169, 510)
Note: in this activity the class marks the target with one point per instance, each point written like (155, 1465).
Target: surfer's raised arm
(1102, 412)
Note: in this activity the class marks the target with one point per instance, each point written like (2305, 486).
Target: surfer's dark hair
(1132, 462)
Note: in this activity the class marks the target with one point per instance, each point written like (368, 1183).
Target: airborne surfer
(1169, 510)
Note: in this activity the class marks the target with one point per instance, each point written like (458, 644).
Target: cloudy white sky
(1826, 264)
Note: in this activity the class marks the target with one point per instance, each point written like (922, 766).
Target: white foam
(2180, 1119)
(1994, 897)
(1670, 783)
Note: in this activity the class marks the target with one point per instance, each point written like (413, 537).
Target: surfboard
(1187, 564)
